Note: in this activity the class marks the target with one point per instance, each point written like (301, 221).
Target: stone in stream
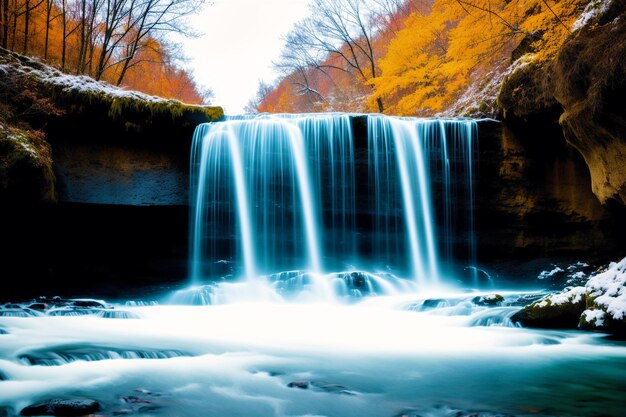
(434, 303)
(298, 384)
(2, 331)
(488, 300)
(333, 388)
(89, 304)
(62, 407)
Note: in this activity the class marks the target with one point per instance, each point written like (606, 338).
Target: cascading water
(304, 192)
(317, 192)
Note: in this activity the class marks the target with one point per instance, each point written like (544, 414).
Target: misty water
(332, 273)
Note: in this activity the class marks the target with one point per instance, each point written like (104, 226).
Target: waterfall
(328, 192)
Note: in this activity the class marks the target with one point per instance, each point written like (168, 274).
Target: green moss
(545, 314)
(96, 103)
(492, 300)
(26, 173)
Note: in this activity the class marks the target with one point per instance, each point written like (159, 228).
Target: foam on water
(375, 358)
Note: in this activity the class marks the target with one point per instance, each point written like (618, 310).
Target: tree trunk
(48, 13)
(14, 31)
(64, 40)
(26, 24)
(5, 24)
(83, 34)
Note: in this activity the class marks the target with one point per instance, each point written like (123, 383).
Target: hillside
(40, 103)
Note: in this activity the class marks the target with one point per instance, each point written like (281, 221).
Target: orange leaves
(431, 52)
(432, 60)
(151, 69)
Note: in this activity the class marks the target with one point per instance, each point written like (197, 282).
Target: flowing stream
(322, 254)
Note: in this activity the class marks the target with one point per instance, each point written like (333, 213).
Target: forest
(414, 57)
(123, 42)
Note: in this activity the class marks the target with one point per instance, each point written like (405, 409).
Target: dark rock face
(551, 316)
(526, 93)
(59, 407)
(26, 174)
(533, 197)
(589, 77)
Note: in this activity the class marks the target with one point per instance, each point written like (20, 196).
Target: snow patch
(548, 274)
(594, 9)
(594, 317)
(572, 295)
(609, 288)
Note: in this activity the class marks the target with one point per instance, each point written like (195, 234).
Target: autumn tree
(435, 56)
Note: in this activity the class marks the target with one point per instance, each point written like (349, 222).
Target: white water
(376, 358)
(279, 192)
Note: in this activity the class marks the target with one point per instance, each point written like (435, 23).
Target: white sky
(240, 38)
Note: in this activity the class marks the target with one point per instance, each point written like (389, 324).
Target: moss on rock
(526, 91)
(25, 167)
(81, 96)
(554, 313)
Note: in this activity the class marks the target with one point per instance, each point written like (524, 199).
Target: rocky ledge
(598, 305)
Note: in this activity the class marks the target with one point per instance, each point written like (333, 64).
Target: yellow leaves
(431, 61)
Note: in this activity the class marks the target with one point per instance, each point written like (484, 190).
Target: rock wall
(534, 199)
(582, 88)
(589, 77)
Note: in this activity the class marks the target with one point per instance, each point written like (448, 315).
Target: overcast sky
(240, 38)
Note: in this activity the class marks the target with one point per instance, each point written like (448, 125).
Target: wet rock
(299, 384)
(333, 388)
(488, 300)
(38, 306)
(134, 400)
(434, 303)
(62, 407)
(3, 376)
(2, 331)
(89, 304)
(555, 311)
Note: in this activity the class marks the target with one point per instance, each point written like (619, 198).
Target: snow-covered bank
(599, 304)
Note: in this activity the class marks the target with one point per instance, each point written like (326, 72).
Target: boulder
(555, 311)
(488, 300)
(299, 384)
(62, 407)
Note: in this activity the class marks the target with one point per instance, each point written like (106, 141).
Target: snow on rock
(572, 295)
(548, 274)
(81, 87)
(593, 318)
(479, 98)
(609, 289)
(594, 9)
(600, 303)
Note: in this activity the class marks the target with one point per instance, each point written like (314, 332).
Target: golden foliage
(433, 57)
